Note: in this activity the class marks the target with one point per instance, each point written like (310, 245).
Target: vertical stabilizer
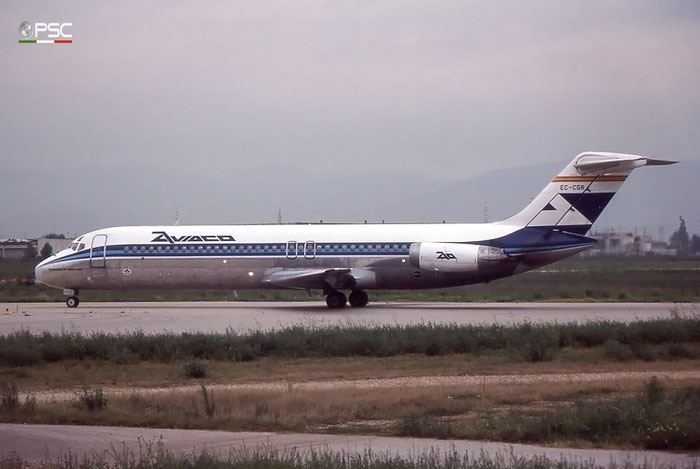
(579, 193)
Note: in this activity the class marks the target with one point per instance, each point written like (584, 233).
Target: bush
(424, 426)
(537, 342)
(9, 397)
(209, 405)
(617, 351)
(653, 391)
(196, 370)
(92, 399)
(21, 356)
(679, 351)
(642, 351)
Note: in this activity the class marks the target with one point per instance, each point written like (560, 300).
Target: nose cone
(39, 271)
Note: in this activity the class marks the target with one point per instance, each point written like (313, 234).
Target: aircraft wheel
(72, 302)
(336, 300)
(358, 299)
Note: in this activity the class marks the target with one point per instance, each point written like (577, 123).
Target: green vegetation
(9, 397)
(196, 370)
(264, 366)
(154, 455)
(610, 414)
(578, 279)
(91, 399)
(533, 342)
(652, 419)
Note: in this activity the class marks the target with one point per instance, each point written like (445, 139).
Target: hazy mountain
(69, 202)
(651, 197)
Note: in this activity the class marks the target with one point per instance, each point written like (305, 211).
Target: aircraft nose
(39, 272)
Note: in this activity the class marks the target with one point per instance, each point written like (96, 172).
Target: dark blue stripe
(541, 238)
(238, 250)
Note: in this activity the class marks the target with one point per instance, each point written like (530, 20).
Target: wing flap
(308, 278)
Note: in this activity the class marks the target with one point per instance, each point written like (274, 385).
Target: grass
(93, 373)
(651, 419)
(92, 400)
(622, 412)
(523, 342)
(154, 455)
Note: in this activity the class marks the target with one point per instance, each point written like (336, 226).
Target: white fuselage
(243, 256)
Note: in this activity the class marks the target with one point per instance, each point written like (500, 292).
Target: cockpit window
(75, 245)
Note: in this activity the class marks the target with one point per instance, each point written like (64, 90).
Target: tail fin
(579, 193)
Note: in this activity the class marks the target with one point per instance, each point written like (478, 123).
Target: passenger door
(98, 251)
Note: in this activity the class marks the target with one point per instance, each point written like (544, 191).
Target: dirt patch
(398, 382)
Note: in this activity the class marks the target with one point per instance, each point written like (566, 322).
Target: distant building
(15, 248)
(627, 244)
(57, 244)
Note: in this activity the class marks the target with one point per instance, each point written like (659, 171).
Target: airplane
(347, 257)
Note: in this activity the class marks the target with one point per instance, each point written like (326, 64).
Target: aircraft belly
(391, 273)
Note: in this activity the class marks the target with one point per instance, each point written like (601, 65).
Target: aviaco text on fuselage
(347, 257)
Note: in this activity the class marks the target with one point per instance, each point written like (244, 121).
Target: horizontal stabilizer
(601, 163)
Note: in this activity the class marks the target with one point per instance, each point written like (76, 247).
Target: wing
(334, 278)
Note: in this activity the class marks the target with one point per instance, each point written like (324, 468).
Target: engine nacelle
(452, 257)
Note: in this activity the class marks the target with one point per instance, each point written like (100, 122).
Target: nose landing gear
(72, 301)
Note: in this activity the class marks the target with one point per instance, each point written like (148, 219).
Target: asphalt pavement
(243, 316)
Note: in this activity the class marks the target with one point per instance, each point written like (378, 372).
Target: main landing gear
(72, 301)
(336, 299)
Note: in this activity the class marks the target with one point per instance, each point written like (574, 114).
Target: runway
(243, 316)
(36, 443)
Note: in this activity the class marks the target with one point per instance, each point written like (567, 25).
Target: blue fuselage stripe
(268, 250)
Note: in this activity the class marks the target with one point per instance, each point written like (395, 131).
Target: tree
(680, 240)
(695, 244)
(30, 252)
(55, 236)
(46, 251)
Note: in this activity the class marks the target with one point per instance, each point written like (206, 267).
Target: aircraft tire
(358, 299)
(336, 300)
(72, 301)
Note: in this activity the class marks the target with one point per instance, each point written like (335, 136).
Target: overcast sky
(162, 100)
